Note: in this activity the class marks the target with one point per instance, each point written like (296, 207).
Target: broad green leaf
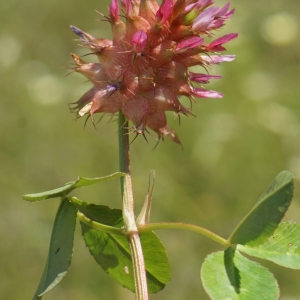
(112, 252)
(156, 260)
(265, 216)
(282, 248)
(229, 275)
(60, 250)
(99, 213)
(69, 187)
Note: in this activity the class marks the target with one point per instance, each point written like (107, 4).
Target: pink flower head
(144, 70)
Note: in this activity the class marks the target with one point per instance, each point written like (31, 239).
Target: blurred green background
(232, 149)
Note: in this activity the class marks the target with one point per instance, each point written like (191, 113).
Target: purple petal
(77, 31)
(112, 87)
(204, 19)
(83, 35)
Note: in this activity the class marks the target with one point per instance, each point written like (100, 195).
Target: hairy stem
(139, 270)
(137, 256)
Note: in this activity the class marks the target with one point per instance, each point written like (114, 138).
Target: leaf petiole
(184, 226)
(105, 228)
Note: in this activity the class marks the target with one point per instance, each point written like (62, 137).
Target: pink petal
(229, 14)
(204, 19)
(216, 59)
(127, 6)
(202, 78)
(223, 10)
(114, 11)
(203, 93)
(189, 7)
(198, 5)
(164, 12)
(217, 44)
(189, 43)
(139, 40)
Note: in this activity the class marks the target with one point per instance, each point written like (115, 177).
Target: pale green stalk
(131, 231)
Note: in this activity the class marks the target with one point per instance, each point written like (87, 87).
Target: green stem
(124, 154)
(184, 226)
(138, 263)
(105, 228)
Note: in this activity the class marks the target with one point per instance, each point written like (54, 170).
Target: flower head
(144, 70)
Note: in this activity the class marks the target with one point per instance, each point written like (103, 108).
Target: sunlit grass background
(232, 149)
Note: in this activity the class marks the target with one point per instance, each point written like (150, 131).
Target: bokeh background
(232, 149)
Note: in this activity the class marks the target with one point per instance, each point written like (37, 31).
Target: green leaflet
(282, 248)
(69, 187)
(60, 249)
(265, 216)
(229, 275)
